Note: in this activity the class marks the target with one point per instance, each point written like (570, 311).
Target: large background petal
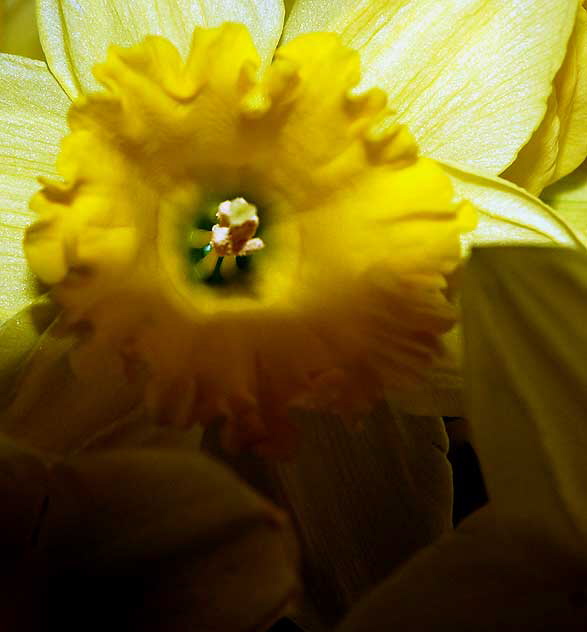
(75, 35)
(525, 345)
(32, 122)
(470, 77)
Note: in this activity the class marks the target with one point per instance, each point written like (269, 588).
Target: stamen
(237, 224)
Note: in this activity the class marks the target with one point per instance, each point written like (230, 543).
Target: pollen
(234, 233)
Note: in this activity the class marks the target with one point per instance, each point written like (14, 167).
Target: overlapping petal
(569, 198)
(32, 123)
(509, 214)
(76, 35)
(559, 145)
(469, 77)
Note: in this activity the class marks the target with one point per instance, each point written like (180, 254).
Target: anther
(234, 233)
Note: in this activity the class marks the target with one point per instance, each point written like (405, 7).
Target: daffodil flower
(359, 222)
(342, 291)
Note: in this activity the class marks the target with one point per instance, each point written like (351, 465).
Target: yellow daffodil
(18, 32)
(265, 209)
(358, 228)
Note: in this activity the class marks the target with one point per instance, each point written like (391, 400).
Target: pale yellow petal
(76, 35)
(32, 123)
(470, 77)
(364, 499)
(508, 214)
(525, 346)
(18, 29)
(569, 198)
(559, 145)
(571, 88)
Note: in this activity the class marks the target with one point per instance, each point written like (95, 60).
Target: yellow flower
(18, 30)
(254, 227)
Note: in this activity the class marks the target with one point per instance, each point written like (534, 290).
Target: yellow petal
(569, 198)
(476, 578)
(470, 78)
(508, 214)
(18, 29)
(76, 36)
(559, 145)
(163, 539)
(32, 122)
(526, 378)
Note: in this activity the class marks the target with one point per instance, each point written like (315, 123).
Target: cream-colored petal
(569, 198)
(525, 347)
(76, 35)
(470, 77)
(32, 123)
(364, 499)
(508, 214)
(559, 144)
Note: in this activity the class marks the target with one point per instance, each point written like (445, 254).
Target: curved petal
(202, 550)
(508, 214)
(569, 198)
(76, 35)
(157, 539)
(559, 145)
(470, 77)
(32, 122)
